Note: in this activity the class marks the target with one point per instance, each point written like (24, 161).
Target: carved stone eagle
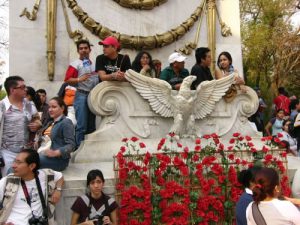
(187, 105)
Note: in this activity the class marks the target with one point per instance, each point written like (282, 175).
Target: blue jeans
(57, 163)
(85, 118)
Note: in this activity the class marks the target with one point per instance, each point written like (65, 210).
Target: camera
(99, 219)
(38, 221)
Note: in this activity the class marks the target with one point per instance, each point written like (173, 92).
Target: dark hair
(279, 110)
(92, 175)
(281, 90)
(61, 103)
(293, 104)
(33, 157)
(136, 64)
(41, 91)
(34, 97)
(266, 180)
(78, 43)
(284, 122)
(248, 175)
(200, 53)
(227, 55)
(11, 82)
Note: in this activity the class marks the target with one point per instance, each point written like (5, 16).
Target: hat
(176, 57)
(110, 41)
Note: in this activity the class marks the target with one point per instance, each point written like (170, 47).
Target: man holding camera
(29, 194)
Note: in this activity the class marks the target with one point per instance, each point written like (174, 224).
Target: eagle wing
(156, 91)
(208, 93)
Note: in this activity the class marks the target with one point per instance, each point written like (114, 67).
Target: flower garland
(178, 186)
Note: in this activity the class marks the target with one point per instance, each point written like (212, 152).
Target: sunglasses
(23, 87)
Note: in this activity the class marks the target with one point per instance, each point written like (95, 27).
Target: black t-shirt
(122, 62)
(202, 73)
(85, 211)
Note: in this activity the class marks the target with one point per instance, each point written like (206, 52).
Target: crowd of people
(38, 136)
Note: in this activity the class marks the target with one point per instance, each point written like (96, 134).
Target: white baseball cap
(176, 57)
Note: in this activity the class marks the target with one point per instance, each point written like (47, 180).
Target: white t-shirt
(275, 212)
(21, 211)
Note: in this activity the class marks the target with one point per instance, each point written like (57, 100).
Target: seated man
(175, 73)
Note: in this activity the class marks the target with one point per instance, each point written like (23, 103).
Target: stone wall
(28, 38)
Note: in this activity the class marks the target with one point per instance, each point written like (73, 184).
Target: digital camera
(99, 219)
(38, 221)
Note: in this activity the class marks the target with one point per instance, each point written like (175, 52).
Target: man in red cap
(111, 65)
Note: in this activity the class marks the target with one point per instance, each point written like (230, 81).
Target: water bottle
(86, 65)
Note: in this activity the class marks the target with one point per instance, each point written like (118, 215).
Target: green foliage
(2, 94)
(270, 45)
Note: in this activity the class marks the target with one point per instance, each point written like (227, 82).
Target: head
(141, 59)
(157, 64)
(176, 61)
(203, 56)
(224, 60)
(266, 184)
(281, 91)
(27, 163)
(285, 125)
(111, 46)
(15, 86)
(246, 177)
(95, 181)
(42, 94)
(57, 107)
(83, 48)
(295, 105)
(280, 114)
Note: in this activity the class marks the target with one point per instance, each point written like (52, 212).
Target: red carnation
(134, 139)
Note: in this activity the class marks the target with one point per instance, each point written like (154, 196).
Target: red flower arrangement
(179, 186)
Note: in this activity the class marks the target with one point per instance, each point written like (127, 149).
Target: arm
(218, 74)
(238, 79)
(72, 76)
(112, 219)
(267, 128)
(57, 192)
(75, 217)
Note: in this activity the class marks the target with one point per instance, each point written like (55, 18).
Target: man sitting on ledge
(111, 65)
(175, 73)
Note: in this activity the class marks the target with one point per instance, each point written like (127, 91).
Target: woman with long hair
(266, 207)
(226, 68)
(62, 134)
(143, 64)
(94, 207)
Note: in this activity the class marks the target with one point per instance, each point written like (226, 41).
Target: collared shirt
(15, 132)
(171, 77)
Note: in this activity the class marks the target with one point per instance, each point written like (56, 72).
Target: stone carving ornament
(185, 107)
(140, 4)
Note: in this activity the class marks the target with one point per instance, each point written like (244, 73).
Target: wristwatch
(58, 188)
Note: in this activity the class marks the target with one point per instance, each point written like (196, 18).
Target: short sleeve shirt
(122, 63)
(97, 207)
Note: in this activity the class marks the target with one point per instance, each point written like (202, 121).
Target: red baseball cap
(110, 41)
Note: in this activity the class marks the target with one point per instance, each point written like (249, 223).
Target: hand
(89, 222)
(34, 126)
(120, 75)
(177, 86)
(146, 67)
(84, 77)
(55, 196)
(106, 220)
(52, 153)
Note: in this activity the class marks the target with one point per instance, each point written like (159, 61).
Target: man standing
(81, 74)
(29, 193)
(175, 72)
(17, 117)
(201, 68)
(282, 101)
(111, 65)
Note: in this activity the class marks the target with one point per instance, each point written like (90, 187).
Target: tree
(271, 52)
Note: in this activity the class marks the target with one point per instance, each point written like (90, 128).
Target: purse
(45, 144)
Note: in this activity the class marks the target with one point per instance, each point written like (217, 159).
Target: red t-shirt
(282, 102)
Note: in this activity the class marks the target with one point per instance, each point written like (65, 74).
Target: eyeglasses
(23, 87)
(18, 162)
